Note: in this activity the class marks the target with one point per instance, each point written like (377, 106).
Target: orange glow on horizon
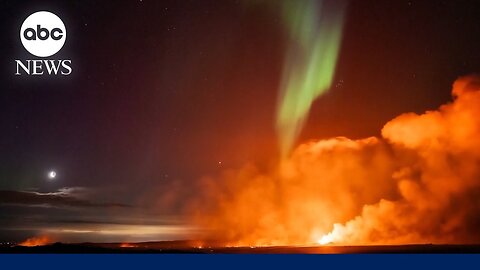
(127, 245)
(37, 241)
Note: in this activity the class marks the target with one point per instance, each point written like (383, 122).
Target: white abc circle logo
(43, 34)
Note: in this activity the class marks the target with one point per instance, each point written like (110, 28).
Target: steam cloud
(418, 183)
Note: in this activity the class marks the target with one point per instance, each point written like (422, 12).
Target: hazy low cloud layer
(72, 197)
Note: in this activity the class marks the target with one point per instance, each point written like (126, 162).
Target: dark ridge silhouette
(187, 247)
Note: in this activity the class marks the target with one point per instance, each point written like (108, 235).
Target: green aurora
(314, 30)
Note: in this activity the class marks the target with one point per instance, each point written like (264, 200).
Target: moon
(52, 175)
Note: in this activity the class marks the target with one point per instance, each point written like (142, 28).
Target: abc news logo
(43, 34)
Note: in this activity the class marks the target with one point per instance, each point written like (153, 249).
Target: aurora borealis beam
(315, 31)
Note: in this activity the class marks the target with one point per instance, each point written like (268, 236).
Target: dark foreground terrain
(190, 247)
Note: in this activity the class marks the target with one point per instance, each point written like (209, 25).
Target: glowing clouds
(319, 185)
(315, 29)
(419, 183)
(37, 241)
(438, 159)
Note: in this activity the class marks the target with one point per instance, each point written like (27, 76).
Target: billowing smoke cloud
(418, 183)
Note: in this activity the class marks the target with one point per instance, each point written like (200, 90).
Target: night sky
(163, 93)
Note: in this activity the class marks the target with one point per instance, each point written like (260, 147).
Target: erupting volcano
(37, 241)
(241, 126)
(417, 184)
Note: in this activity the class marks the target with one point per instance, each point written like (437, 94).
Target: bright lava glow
(326, 239)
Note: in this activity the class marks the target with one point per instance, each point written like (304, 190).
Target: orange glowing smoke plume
(127, 245)
(418, 183)
(37, 241)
